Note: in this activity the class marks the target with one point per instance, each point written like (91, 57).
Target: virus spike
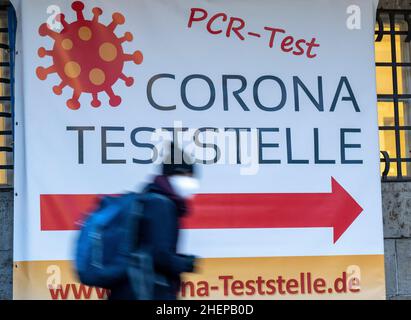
(115, 101)
(118, 19)
(128, 80)
(58, 90)
(100, 69)
(97, 12)
(62, 19)
(96, 102)
(73, 103)
(78, 6)
(42, 52)
(136, 57)
(44, 31)
(128, 36)
(42, 72)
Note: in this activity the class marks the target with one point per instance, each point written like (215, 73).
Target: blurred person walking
(164, 204)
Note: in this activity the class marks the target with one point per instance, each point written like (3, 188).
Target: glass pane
(387, 142)
(3, 19)
(405, 138)
(384, 80)
(400, 23)
(404, 113)
(406, 169)
(402, 49)
(385, 18)
(404, 80)
(393, 172)
(393, 169)
(5, 107)
(386, 113)
(3, 177)
(383, 49)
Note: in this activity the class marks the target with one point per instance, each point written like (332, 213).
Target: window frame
(396, 98)
(7, 116)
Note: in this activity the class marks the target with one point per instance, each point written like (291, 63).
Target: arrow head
(347, 209)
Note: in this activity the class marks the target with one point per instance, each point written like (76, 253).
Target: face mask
(184, 186)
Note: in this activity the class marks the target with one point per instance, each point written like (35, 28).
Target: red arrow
(336, 210)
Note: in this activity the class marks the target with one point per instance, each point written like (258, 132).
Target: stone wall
(397, 237)
(395, 4)
(6, 244)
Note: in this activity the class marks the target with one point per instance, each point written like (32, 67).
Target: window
(6, 121)
(393, 63)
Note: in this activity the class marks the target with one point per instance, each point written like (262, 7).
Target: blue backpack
(106, 249)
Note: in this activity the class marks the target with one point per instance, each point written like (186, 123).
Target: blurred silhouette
(154, 269)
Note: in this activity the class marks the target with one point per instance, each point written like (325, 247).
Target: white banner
(276, 99)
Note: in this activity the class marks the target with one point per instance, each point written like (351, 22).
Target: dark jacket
(159, 234)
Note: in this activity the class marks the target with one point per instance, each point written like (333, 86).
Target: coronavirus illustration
(88, 56)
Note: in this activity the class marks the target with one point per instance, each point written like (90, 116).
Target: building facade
(393, 63)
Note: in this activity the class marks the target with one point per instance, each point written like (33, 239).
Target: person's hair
(175, 162)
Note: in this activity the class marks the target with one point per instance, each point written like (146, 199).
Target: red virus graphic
(88, 56)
